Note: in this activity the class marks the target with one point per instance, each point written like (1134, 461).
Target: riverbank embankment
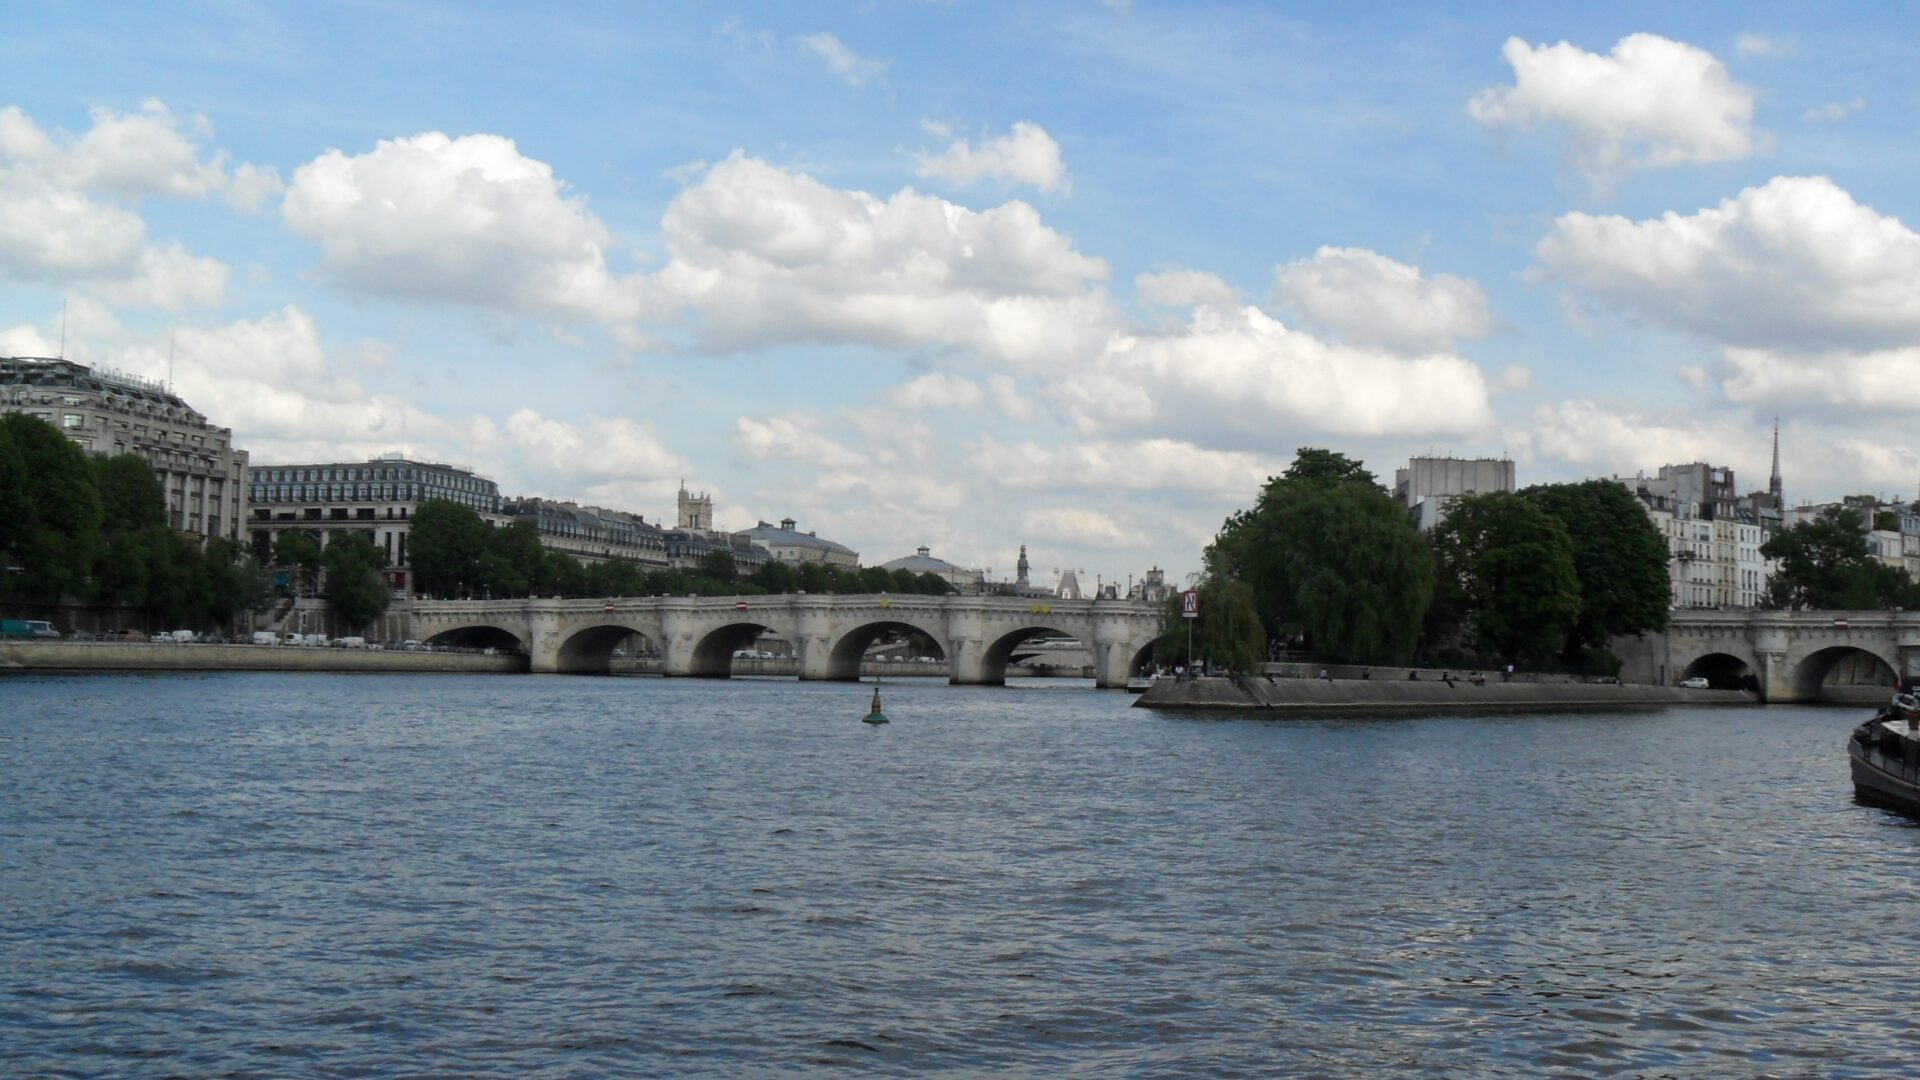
(1260, 693)
(177, 656)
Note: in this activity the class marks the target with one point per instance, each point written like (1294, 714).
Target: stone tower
(1020, 568)
(696, 511)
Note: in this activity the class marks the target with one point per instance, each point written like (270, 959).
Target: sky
(1078, 276)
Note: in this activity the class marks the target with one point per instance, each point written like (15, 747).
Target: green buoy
(874, 715)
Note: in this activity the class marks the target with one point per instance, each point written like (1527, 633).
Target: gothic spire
(1773, 484)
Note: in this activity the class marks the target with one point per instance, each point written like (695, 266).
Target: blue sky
(974, 275)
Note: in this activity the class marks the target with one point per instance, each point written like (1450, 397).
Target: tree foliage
(444, 547)
(55, 511)
(1619, 559)
(1826, 564)
(1227, 629)
(355, 589)
(1505, 575)
(1331, 560)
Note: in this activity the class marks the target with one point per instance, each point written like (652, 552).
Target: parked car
(1695, 683)
(293, 639)
(27, 628)
(350, 642)
(265, 637)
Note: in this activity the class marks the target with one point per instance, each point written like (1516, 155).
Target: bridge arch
(1723, 671)
(478, 636)
(588, 650)
(1000, 651)
(1844, 673)
(712, 654)
(843, 660)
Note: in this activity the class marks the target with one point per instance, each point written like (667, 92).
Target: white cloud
(612, 447)
(1878, 381)
(765, 256)
(1796, 264)
(1026, 155)
(1750, 45)
(1365, 298)
(1184, 290)
(469, 220)
(1008, 398)
(936, 390)
(252, 187)
(791, 439)
(1834, 111)
(842, 62)
(1158, 465)
(1649, 103)
(66, 205)
(1078, 527)
(1239, 373)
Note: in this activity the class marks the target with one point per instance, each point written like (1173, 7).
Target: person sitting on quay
(1447, 677)
(1413, 676)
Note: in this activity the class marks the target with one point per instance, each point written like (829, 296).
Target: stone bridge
(1788, 656)
(697, 636)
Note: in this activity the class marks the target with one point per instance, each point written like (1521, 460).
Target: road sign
(607, 607)
(1840, 623)
(740, 605)
(1190, 604)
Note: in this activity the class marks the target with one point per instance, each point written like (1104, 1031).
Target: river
(334, 875)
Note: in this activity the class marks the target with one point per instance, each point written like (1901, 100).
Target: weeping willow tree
(1227, 630)
(1331, 560)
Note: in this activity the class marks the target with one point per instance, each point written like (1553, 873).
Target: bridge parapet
(1791, 656)
(698, 635)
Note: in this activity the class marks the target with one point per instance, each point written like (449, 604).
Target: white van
(293, 639)
(350, 643)
(182, 636)
(318, 641)
(265, 637)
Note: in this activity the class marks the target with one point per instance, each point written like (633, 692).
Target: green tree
(875, 580)
(172, 596)
(131, 497)
(932, 584)
(52, 541)
(1227, 630)
(300, 552)
(444, 547)
(514, 562)
(776, 577)
(1826, 564)
(814, 578)
(1506, 571)
(1332, 562)
(1619, 558)
(355, 591)
(719, 566)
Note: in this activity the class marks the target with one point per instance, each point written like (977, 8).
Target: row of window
(436, 478)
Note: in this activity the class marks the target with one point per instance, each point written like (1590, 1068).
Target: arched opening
(1142, 661)
(478, 637)
(593, 650)
(912, 646)
(1723, 671)
(713, 654)
(1048, 651)
(1843, 674)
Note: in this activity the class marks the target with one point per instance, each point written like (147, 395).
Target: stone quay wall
(1319, 695)
(170, 656)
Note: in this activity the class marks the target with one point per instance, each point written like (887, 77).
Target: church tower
(696, 511)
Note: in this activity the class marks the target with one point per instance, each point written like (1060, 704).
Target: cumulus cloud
(936, 390)
(843, 63)
(1881, 380)
(1834, 111)
(616, 447)
(469, 220)
(1026, 155)
(1157, 465)
(1008, 398)
(1649, 103)
(1183, 290)
(1365, 298)
(1079, 527)
(791, 439)
(1794, 264)
(1239, 372)
(67, 205)
(763, 255)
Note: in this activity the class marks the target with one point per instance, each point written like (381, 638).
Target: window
(71, 421)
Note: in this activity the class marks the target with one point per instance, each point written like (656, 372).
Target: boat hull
(1886, 767)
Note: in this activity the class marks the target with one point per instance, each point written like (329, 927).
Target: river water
(337, 875)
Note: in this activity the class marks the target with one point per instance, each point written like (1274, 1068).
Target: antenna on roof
(63, 328)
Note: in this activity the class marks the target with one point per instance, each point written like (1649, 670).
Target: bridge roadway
(697, 636)
(1793, 656)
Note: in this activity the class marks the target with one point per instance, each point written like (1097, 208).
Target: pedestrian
(1325, 674)
(1508, 677)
